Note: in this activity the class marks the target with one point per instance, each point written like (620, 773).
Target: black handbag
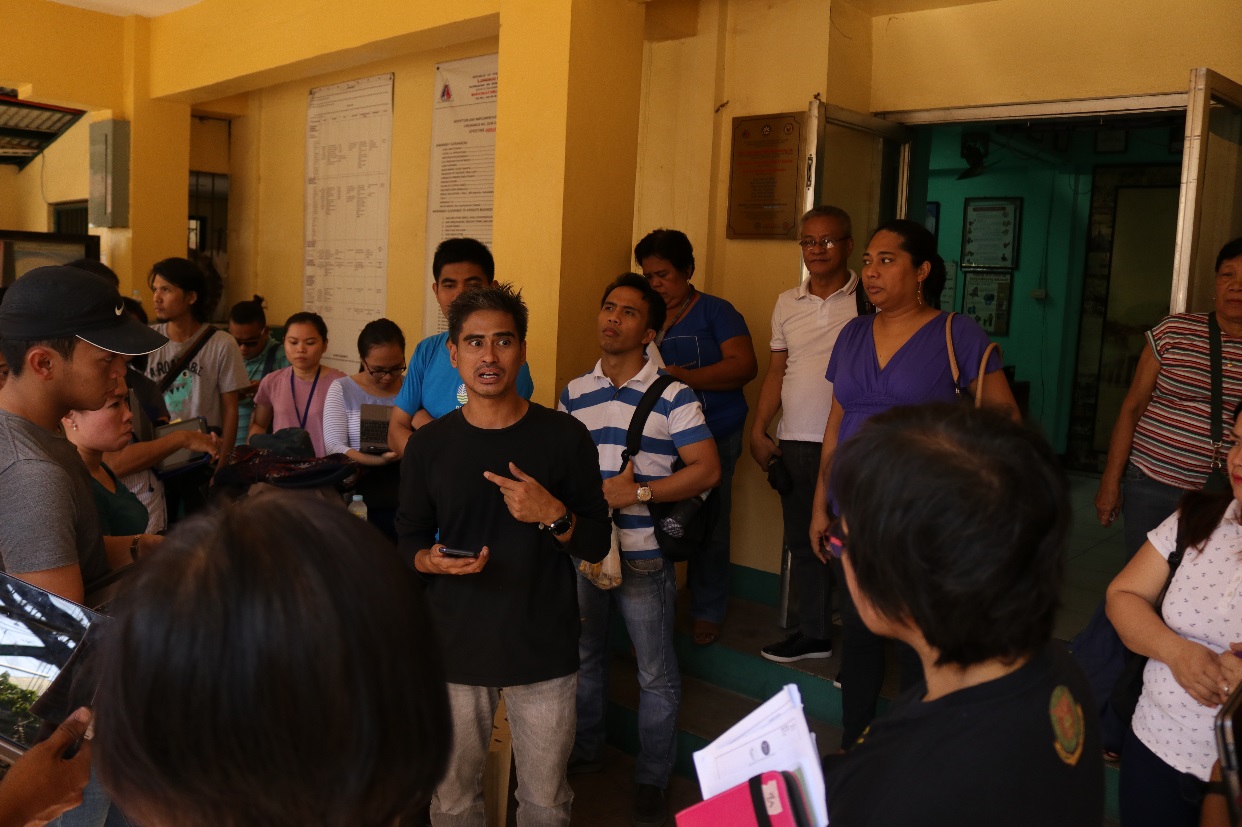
(693, 519)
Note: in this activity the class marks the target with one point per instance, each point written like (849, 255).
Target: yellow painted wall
(66, 55)
(9, 206)
(760, 58)
(849, 57)
(1038, 50)
(209, 145)
(269, 42)
(267, 187)
(562, 223)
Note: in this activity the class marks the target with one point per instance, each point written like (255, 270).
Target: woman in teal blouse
(122, 517)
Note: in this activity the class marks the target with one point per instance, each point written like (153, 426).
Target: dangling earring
(74, 423)
(920, 295)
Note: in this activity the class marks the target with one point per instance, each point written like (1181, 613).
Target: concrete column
(159, 168)
(566, 155)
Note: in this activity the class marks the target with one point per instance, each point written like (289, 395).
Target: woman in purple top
(705, 344)
(896, 357)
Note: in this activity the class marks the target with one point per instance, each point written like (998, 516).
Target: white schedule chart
(461, 181)
(348, 155)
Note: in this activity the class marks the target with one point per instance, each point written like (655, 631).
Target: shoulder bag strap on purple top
(983, 363)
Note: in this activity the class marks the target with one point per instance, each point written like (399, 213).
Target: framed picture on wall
(991, 230)
(987, 297)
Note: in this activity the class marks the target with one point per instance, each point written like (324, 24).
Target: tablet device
(184, 459)
(373, 429)
(1228, 737)
(41, 637)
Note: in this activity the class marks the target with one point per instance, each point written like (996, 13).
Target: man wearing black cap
(65, 335)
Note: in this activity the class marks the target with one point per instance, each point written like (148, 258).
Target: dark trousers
(812, 578)
(863, 667)
(1153, 794)
(1145, 504)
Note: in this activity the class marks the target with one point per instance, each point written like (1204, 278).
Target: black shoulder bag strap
(634, 434)
(186, 358)
(1218, 393)
(1175, 560)
(269, 361)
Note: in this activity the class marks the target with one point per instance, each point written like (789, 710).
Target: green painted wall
(1056, 190)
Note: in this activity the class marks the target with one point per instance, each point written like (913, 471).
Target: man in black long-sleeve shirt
(519, 485)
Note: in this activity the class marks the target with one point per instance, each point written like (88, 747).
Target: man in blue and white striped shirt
(631, 314)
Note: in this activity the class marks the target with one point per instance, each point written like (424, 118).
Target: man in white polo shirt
(805, 324)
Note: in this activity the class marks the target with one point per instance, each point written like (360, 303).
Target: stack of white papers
(774, 737)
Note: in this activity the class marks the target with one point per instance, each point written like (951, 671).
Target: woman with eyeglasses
(381, 349)
(705, 344)
(899, 356)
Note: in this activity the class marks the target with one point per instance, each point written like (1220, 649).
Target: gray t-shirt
(49, 516)
(217, 368)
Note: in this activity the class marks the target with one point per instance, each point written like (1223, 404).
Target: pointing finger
(503, 483)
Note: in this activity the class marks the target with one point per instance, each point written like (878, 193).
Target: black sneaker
(650, 806)
(796, 647)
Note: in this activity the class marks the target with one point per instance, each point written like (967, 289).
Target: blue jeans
(708, 573)
(541, 721)
(812, 578)
(1145, 504)
(647, 600)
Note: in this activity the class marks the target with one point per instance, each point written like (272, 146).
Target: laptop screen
(39, 635)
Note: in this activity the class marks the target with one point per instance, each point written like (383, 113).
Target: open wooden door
(1210, 212)
(857, 162)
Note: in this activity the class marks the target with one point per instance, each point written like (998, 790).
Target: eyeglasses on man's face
(825, 242)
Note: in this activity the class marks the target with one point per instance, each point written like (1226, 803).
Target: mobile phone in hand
(1228, 740)
(458, 552)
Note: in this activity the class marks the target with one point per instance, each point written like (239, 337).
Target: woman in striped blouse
(1161, 446)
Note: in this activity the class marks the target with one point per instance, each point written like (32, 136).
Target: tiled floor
(1096, 554)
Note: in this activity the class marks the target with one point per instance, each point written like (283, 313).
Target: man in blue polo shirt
(604, 400)
(432, 386)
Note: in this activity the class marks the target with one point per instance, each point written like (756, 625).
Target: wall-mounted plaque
(990, 233)
(765, 184)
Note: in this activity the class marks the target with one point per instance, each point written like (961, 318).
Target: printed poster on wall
(985, 299)
(461, 182)
(991, 230)
(348, 153)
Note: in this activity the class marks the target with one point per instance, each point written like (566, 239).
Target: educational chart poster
(348, 153)
(986, 299)
(991, 230)
(461, 182)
